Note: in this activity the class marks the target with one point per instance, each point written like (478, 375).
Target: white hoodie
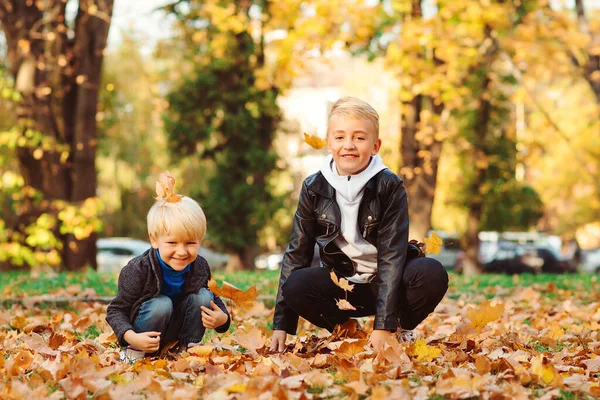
(349, 191)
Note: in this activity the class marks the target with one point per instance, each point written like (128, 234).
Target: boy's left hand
(378, 338)
(213, 318)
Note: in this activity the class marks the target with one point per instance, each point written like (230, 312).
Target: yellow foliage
(314, 141)
(244, 299)
(433, 244)
(423, 352)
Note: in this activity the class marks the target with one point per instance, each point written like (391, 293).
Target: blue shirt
(172, 280)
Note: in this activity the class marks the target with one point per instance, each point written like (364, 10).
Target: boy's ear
(376, 147)
(153, 241)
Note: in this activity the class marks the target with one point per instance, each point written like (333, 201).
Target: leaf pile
(517, 343)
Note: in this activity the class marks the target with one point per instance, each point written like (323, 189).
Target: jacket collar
(322, 187)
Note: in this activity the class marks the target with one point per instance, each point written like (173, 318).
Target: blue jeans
(180, 321)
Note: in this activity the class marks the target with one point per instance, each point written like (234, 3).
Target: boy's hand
(213, 318)
(278, 341)
(378, 338)
(148, 342)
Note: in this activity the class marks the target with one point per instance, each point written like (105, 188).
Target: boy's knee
(160, 307)
(428, 270)
(202, 298)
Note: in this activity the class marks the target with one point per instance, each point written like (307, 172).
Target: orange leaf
(238, 296)
(251, 340)
(314, 141)
(343, 283)
(165, 188)
(484, 314)
(433, 244)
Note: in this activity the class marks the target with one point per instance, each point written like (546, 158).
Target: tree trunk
(591, 69)
(60, 95)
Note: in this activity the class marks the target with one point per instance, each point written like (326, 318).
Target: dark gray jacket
(141, 280)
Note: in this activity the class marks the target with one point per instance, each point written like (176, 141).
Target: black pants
(311, 293)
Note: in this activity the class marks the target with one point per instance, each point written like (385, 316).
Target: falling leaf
(244, 299)
(343, 283)
(423, 352)
(165, 187)
(343, 304)
(314, 141)
(484, 314)
(433, 244)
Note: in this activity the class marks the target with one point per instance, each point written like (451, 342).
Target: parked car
(590, 261)
(115, 252)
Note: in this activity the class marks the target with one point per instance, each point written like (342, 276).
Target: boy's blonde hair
(356, 108)
(184, 220)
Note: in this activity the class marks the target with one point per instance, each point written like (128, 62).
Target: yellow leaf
(201, 350)
(165, 188)
(484, 314)
(344, 304)
(236, 388)
(543, 368)
(238, 296)
(343, 283)
(433, 244)
(314, 141)
(423, 352)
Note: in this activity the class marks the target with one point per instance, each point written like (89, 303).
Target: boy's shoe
(192, 344)
(134, 354)
(406, 335)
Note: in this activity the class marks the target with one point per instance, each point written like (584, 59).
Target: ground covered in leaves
(525, 341)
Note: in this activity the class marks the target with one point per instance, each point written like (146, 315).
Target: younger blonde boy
(163, 294)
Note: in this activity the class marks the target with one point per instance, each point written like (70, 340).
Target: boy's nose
(349, 144)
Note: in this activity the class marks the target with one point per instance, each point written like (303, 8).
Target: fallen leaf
(433, 244)
(343, 283)
(484, 314)
(314, 141)
(244, 299)
(165, 187)
(543, 368)
(423, 352)
(251, 340)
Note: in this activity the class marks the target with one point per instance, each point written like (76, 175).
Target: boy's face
(352, 142)
(176, 252)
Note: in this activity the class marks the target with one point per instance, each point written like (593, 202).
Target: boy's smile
(176, 252)
(351, 142)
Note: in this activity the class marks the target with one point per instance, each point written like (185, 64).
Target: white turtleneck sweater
(349, 191)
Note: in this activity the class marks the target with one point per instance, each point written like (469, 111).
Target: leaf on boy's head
(165, 188)
(244, 299)
(314, 141)
(343, 283)
(433, 244)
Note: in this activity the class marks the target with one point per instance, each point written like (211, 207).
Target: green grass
(21, 283)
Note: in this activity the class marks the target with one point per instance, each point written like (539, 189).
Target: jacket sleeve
(392, 241)
(297, 255)
(130, 289)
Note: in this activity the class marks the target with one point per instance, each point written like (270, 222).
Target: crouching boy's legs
(187, 324)
(154, 315)
(425, 283)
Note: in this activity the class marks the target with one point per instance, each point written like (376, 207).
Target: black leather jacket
(383, 222)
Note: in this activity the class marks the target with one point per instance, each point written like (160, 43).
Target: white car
(591, 261)
(114, 253)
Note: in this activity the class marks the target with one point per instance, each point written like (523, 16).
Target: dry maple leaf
(314, 141)
(165, 188)
(343, 283)
(484, 314)
(433, 244)
(344, 304)
(543, 368)
(244, 299)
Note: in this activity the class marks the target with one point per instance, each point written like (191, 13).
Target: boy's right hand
(148, 342)
(278, 341)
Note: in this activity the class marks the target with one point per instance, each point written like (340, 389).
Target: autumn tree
(224, 112)
(56, 66)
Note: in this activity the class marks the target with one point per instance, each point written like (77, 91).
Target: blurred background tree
(55, 63)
